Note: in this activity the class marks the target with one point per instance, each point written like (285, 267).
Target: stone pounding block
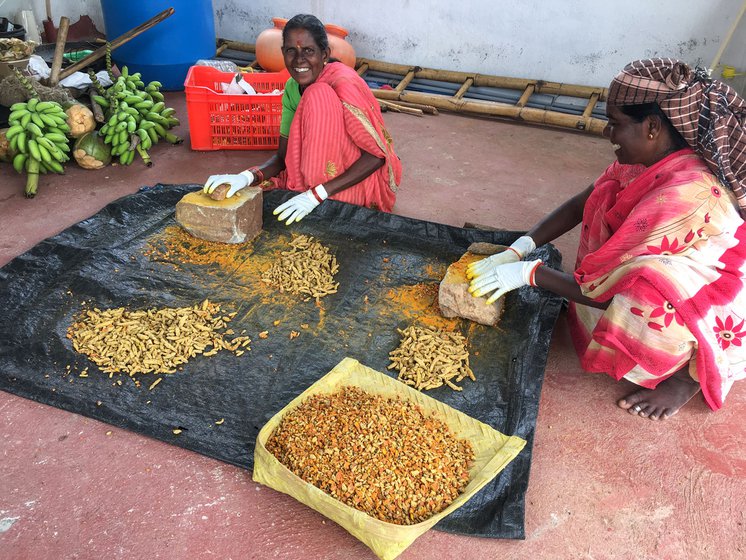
(237, 219)
(456, 301)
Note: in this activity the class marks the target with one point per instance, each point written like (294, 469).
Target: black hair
(310, 23)
(638, 113)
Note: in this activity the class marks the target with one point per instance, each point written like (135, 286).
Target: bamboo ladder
(584, 122)
(432, 102)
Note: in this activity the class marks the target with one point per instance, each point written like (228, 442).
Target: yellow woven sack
(493, 451)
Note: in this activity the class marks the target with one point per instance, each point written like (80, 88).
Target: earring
(650, 135)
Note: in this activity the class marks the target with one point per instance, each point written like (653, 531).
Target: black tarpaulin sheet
(132, 254)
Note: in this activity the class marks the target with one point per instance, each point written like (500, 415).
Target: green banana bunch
(122, 122)
(143, 110)
(37, 133)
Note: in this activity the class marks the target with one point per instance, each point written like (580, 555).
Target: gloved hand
(503, 278)
(519, 249)
(237, 182)
(301, 204)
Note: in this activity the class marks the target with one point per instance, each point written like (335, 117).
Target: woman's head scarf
(709, 114)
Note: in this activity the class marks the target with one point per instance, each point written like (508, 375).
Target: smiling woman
(333, 141)
(658, 296)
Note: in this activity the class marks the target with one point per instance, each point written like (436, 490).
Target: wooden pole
(406, 80)
(493, 108)
(59, 51)
(118, 42)
(238, 46)
(428, 109)
(724, 44)
(591, 104)
(464, 88)
(526, 95)
(396, 107)
(481, 80)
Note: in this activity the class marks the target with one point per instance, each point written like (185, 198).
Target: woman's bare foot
(665, 400)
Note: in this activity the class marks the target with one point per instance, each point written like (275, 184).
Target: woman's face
(303, 57)
(628, 137)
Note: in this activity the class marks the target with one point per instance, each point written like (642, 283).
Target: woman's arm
(274, 165)
(561, 220)
(365, 165)
(564, 284)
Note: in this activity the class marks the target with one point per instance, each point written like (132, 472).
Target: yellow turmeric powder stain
(418, 302)
(237, 269)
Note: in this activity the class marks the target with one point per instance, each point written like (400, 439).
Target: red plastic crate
(220, 121)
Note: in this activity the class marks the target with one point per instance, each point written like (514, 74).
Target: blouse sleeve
(290, 100)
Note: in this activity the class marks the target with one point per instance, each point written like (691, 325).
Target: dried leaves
(382, 456)
(152, 340)
(307, 268)
(428, 358)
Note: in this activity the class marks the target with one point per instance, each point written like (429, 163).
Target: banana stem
(170, 137)
(32, 177)
(144, 155)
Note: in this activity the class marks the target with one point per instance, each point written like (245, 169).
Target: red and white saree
(667, 246)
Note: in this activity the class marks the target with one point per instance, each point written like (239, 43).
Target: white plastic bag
(39, 69)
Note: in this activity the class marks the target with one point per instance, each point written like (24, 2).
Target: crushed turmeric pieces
(382, 456)
(428, 358)
(152, 340)
(306, 268)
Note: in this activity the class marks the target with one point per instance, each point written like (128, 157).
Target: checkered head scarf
(709, 114)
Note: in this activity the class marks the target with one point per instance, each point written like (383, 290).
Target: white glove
(519, 249)
(237, 182)
(503, 278)
(301, 204)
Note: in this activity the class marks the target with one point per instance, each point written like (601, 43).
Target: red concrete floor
(604, 484)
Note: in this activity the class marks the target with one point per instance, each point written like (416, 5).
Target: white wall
(575, 41)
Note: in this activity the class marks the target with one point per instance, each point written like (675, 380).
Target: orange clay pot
(341, 49)
(269, 47)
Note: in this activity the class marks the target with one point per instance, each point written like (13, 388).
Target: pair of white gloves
(292, 210)
(501, 273)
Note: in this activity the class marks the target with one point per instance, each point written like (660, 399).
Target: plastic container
(341, 49)
(220, 121)
(269, 47)
(222, 65)
(166, 51)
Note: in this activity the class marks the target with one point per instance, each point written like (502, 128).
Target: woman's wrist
(319, 193)
(532, 272)
(257, 173)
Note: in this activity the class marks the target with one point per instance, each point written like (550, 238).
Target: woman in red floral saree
(658, 295)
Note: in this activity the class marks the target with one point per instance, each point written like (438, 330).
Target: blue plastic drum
(167, 50)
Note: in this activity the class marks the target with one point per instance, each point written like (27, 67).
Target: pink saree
(338, 118)
(668, 245)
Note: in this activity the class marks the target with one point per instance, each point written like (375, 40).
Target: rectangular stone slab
(237, 219)
(456, 301)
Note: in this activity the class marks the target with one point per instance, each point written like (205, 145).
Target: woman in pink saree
(333, 143)
(658, 295)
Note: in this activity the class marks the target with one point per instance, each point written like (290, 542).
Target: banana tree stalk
(170, 137)
(144, 155)
(32, 177)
